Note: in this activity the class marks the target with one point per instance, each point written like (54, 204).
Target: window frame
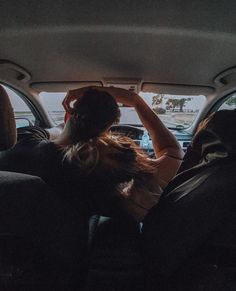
(219, 102)
(38, 117)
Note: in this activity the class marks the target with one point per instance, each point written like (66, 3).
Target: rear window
(176, 111)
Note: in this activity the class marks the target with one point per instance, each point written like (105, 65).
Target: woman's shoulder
(166, 168)
(34, 142)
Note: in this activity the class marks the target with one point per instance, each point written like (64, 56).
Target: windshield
(176, 111)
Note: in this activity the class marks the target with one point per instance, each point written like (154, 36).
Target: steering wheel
(128, 130)
(132, 132)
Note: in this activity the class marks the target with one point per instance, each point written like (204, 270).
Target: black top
(35, 154)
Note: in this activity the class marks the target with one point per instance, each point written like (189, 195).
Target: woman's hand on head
(66, 103)
(123, 96)
(73, 95)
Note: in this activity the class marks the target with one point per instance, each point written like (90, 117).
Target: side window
(230, 103)
(23, 114)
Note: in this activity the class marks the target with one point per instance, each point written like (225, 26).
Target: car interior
(180, 57)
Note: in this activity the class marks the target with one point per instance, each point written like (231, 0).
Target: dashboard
(136, 133)
(133, 132)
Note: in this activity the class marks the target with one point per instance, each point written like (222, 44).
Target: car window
(176, 111)
(229, 103)
(22, 112)
(52, 102)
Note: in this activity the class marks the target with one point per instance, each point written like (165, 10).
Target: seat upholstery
(43, 240)
(115, 261)
(187, 217)
(20, 232)
(181, 233)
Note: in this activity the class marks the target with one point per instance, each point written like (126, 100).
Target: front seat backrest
(187, 215)
(7, 122)
(193, 207)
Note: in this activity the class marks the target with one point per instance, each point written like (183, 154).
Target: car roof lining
(64, 58)
(176, 42)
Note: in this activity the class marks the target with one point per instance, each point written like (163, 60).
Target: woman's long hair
(96, 152)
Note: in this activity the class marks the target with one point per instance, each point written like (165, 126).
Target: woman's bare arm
(164, 142)
(54, 132)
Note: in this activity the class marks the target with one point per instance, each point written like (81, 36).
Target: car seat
(32, 223)
(189, 237)
(115, 260)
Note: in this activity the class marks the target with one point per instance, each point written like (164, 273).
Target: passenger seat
(189, 237)
(32, 221)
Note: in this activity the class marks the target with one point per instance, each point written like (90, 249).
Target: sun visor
(62, 86)
(226, 77)
(176, 89)
(132, 85)
(12, 71)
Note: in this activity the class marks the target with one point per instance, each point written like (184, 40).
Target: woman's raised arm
(164, 142)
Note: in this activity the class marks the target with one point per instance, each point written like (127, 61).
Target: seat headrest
(218, 135)
(7, 122)
(214, 140)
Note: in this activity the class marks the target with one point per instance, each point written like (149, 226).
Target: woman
(87, 158)
(90, 170)
(116, 160)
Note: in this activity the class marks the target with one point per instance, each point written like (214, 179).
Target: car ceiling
(177, 42)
